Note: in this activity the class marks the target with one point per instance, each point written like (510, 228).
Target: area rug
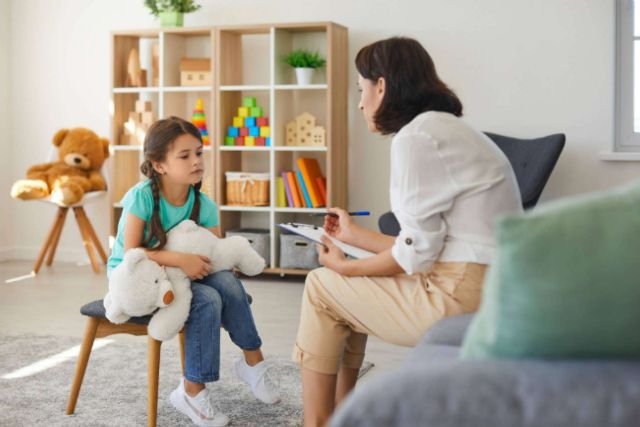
(114, 389)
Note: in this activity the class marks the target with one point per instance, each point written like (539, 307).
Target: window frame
(626, 139)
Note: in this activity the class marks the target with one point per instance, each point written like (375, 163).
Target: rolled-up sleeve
(422, 189)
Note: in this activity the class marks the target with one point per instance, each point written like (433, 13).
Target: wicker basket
(247, 189)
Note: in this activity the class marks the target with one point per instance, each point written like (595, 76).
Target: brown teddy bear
(81, 153)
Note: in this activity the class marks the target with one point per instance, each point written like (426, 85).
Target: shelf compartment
(287, 161)
(230, 220)
(184, 44)
(182, 104)
(293, 38)
(239, 161)
(285, 217)
(245, 56)
(122, 105)
(230, 102)
(127, 174)
(122, 46)
(291, 104)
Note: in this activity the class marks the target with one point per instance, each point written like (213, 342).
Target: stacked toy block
(139, 123)
(250, 127)
(199, 119)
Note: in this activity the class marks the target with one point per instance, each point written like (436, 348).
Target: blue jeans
(218, 299)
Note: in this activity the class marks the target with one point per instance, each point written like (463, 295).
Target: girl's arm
(215, 230)
(381, 264)
(194, 266)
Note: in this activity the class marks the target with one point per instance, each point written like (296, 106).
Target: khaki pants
(339, 312)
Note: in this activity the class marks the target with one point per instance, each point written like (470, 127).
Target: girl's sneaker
(199, 408)
(263, 386)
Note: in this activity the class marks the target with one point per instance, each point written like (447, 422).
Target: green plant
(180, 6)
(301, 58)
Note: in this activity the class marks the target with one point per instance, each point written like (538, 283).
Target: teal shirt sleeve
(208, 212)
(139, 202)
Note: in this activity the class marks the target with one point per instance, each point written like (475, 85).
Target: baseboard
(31, 254)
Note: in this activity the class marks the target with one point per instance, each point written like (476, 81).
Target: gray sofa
(434, 388)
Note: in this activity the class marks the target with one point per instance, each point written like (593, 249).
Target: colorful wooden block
(233, 131)
(240, 140)
(249, 122)
(255, 112)
(243, 111)
(262, 121)
(261, 141)
(249, 141)
(249, 102)
(268, 141)
(229, 140)
(238, 122)
(244, 131)
(265, 131)
(254, 131)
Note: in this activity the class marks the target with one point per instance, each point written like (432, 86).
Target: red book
(322, 187)
(310, 171)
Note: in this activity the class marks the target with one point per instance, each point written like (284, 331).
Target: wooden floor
(49, 303)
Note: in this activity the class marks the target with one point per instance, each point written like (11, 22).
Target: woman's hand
(195, 266)
(340, 225)
(331, 256)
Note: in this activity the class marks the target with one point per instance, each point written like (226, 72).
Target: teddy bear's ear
(132, 257)
(105, 146)
(59, 137)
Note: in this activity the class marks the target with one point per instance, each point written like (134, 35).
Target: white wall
(521, 68)
(6, 147)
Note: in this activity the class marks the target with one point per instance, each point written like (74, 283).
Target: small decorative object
(155, 60)
(303, 131)
(136, 76)
(200, 121)
(247, 189)
(195, 72)
(171, 12)
(304, 62)
(249, 127)
(138, 124)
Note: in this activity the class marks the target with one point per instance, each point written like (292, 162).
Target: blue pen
(355, 213)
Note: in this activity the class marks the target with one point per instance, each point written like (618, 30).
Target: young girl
(174, 165)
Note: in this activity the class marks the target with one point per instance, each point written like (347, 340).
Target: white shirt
(449, 183)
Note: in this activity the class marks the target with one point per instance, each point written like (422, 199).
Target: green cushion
(565, 282)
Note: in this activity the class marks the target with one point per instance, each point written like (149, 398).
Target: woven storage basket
(247, 189)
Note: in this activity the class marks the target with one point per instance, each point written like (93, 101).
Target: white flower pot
(304, 76)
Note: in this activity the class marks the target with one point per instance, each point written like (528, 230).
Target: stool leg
(181, 338)
(86, 240)
(56, 239)
(153, 373)
(83, 359)
(93, 235)
(45, 247)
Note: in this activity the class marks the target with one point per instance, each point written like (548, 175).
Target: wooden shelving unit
(247, 61)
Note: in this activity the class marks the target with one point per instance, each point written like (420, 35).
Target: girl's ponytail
(155, 227)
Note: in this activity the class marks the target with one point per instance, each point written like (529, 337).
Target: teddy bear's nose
(77, 160)
(168, 297)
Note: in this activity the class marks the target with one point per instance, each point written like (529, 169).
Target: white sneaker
(200, 408)
(263, 386)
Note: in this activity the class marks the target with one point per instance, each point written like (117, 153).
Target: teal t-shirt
(139, 201)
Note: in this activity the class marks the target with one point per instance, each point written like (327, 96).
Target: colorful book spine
(282, 198)
(287, 189)
(291, 179)
(305, 192)
(322, 187)
(307, 168)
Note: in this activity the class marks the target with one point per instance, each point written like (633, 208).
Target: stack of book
(302, 188)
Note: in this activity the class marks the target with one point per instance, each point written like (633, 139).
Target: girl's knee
(204, 295)
(229, 285)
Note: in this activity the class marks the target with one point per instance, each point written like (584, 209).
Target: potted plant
(171, 12)
(304, 62)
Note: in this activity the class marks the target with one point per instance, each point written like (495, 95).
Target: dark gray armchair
(532, 160)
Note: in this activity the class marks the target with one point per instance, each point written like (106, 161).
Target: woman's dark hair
(157, 143)
(412, 85)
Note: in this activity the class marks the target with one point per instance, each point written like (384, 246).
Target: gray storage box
(297, 252)
(259, 238)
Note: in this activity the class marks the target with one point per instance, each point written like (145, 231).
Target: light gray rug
(114, 390)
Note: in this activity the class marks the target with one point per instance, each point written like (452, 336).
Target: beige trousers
(339, 312)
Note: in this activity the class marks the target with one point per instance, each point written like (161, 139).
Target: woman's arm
(382, 264)
(194, 266)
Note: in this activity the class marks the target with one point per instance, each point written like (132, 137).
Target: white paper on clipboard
(313, 233)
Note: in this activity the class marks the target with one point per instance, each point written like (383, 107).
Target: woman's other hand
(195, 266)
(331, 256)
(339, 225)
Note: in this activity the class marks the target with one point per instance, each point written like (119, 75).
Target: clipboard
(314, 232)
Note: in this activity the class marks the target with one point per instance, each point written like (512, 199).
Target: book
(303, 188)
(295, 194)
(287, 189)
(310, 171)
(282, 198)
(314, 233)
(322, 186)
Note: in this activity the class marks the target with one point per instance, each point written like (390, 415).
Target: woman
(448, 184)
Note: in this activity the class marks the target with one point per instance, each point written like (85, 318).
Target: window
(627, 102)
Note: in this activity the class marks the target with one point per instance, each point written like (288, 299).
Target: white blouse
(448, 185)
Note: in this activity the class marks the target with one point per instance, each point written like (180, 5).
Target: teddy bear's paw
(29, 189)
(161, 332)
(64, 196)
(252, 265)
(116, 317)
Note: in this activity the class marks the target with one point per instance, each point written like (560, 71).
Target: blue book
(305, 193)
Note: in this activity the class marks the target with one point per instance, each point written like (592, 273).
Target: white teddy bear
(225, 254)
